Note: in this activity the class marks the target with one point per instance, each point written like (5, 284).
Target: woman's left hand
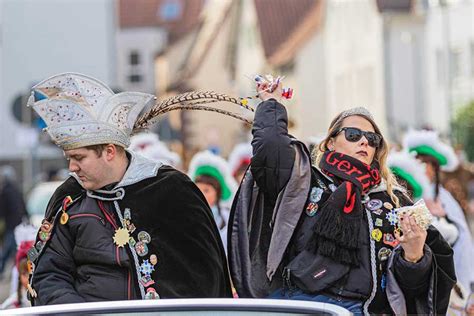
(412, 240)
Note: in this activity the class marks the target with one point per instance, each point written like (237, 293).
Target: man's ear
(110, 152)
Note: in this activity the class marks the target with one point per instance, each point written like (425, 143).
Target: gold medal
(64, 218)
(121, 237)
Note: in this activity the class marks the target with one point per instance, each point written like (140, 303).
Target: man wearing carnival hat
(122, 226)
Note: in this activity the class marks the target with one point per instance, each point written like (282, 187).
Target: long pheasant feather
(190, 101)
(209, 109)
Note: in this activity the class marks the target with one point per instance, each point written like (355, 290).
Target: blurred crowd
(430, 169)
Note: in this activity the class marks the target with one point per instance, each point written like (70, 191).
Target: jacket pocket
(312, 272)
(82, 215)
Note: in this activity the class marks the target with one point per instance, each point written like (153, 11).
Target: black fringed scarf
(336, 233)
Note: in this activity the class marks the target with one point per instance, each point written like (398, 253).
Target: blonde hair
(381, 153)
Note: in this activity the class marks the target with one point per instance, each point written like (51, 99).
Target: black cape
(173, 211)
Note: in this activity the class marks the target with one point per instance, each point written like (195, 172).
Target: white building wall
(405, 48)
(436, 77)
(341, 67)
(43, 38)
(250, 54)
(461, 39)
(147, 43)
(420, 75)
(309, 107)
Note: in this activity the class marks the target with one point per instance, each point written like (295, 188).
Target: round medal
(374, 205)
(43, 236)
(64, 218)
(141, 248)
(384, 253)
(144, 237)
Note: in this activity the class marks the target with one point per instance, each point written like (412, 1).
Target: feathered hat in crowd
(141, 141)
(207, 163)
(405, 166)
(150, 146)
(428, 143)
(240, 157)
(81, 111)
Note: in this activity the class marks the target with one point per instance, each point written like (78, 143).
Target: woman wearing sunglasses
(328, 231)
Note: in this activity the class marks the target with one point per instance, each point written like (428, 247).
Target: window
(455, 64)
(134, 58)
(440, 68)
(472, 59)
(135, 78)
(170, 10)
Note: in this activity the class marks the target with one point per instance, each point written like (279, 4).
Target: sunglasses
(354, 134)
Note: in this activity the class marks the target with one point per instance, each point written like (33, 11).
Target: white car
(38, 199)
(175, 307)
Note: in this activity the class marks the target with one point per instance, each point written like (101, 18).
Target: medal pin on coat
(314, 198)
(64, 216)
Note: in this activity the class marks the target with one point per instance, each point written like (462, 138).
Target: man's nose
(73, 167)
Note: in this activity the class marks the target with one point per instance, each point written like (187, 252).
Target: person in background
(150, 146)
(239, 160)
(411, 172)
(24, 238)
(438, 156)
(212, 176)
(12, 210)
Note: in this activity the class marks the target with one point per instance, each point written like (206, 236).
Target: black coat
(271, 167)
(80, 261)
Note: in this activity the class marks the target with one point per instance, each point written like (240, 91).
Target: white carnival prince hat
(81, 111)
